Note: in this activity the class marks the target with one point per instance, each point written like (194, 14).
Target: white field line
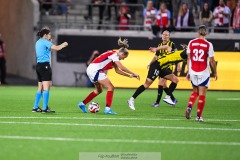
(123, 126)
(119, 140)
(135, 119)
(228, 99)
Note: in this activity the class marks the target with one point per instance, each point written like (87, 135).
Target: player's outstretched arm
(184, 46)
(124, 69)
(165, 47)
(118, 71)
(59, 47)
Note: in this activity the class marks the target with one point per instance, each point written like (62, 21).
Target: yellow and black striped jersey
(163, 51)
(171, 58)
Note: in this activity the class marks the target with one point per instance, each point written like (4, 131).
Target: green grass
(32, 136)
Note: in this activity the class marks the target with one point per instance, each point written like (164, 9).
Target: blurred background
(90, 25)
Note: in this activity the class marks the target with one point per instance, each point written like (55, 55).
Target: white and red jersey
(200, 50)
(150, 12)
(236, 18)
(105, 61)
(123, 22)
(163, 18)
(221, 19)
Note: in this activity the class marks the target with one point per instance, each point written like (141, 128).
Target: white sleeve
(153, 12)
(211, 51)
(188, 48)
(227, 10)
(114, 57)
(214, 12)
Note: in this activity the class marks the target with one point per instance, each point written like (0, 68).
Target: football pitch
(69, 132)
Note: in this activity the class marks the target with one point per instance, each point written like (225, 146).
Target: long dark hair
(205, 13)
(44, 30)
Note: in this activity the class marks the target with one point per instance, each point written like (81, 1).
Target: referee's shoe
(37, 110)
(48, 110)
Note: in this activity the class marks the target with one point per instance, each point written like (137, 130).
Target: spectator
(192, 4)
(149, 14)
(206, 15)
(94, 55)
(146, 1)
(232, 7)
(45, 6)
(101, 5)
(231, 4)
(132, 9)
(124, 18)
(63, 6)
(221, 16)
(2, 61)
(112, 3)
(236, 19)
(185, 19)
(206, 1)
(163, 20)
(168, 4)
(175, 7)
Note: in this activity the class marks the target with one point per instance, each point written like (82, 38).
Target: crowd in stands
(218, 14)
(47, 7)
(122, 11)
(159, 15)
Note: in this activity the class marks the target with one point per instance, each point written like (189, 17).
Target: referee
(43, 49)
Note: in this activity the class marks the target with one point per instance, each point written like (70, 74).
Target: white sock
(107, 108)
(131, 99)
(167, 96)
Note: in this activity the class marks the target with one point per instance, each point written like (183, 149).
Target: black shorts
(164, 72)
(153, 71)
(44, 72)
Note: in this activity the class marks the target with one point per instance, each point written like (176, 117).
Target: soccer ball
(93, 107)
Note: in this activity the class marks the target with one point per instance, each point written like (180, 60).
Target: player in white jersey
(200, 53)
(95, 72)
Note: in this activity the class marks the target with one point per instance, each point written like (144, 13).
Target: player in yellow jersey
(162, 82)
(172, 57)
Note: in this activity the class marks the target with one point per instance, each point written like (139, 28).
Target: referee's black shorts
(44, 72)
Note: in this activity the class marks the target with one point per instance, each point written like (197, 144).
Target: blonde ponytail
(124, 45)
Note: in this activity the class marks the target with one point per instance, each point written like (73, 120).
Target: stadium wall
(17, 21)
